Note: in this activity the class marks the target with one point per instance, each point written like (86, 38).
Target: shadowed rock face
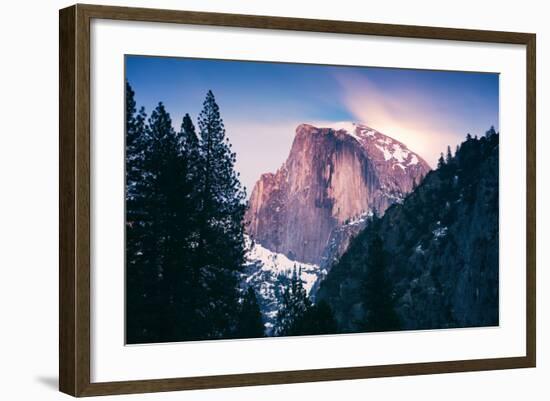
(330, 176)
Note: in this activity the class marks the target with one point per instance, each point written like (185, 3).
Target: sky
(262, 103)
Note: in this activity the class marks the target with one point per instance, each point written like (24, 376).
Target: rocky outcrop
(331, 175)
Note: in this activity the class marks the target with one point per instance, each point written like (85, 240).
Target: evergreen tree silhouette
(138, 276)
(250, 324)
(318, 319)
(185, 236)
(377, 290)
(490, 132)
(440, 161)
(449, 156)
(295, 303)
(220, 213)
(165, 242)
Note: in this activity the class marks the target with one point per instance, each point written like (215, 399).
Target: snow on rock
(269, 274)
(347, 126)
(391, 149)
(362, 218)
(277, 263)
(439, 231)
(387, 154)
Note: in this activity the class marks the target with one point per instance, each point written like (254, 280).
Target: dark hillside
(440, 248)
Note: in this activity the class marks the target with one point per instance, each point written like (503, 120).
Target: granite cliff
(332, 176)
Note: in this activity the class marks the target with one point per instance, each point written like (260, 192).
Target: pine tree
(136, 144)
(250, 324)
(295, 304)
(189, 198)
(190, 145)
(164, 245)
(318, 319)
(298, 316)
(165, 177)
(136, 270)
(377, 290)
(441, 161)
(167, 226)
(136, 147)
(133, 165)
(449, 157)
(191, 170)
(189, 292)
(490, 132)
(185, 236)
(221, 210)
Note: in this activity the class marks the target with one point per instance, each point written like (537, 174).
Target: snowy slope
(269, 273)
(391, 150)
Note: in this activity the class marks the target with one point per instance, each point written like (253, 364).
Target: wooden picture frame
(74, 203)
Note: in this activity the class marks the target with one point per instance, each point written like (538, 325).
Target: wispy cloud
(409, 116)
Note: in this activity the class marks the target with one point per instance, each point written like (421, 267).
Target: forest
(185, 235)
(431, 261)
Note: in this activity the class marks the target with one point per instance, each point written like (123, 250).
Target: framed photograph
(250, 200)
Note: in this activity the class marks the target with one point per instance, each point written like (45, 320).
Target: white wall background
(29, 184)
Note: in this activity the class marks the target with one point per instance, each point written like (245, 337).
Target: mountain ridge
(330, 176)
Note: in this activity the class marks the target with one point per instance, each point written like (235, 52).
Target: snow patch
(439, 231)
(396, 152)
(400, 166)
(359, 219)
(269, 273)
(392, 150)
(385, 151)
(277, 263)
(400, 153)
(347, 126)
(358, 131)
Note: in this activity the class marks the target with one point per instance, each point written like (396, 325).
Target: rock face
(331, 175)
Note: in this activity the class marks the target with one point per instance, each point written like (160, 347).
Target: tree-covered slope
(439, 251)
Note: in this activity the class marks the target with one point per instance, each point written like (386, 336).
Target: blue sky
(262, 103)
